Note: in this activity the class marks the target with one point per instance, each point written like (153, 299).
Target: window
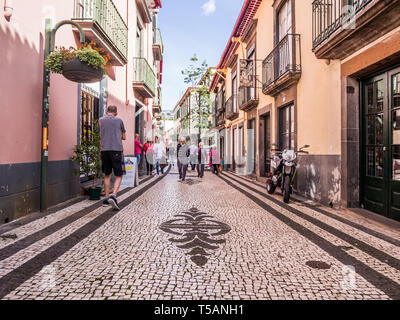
(285, 57)
(286, 128)
(285, 20)
(90, 113)
(139, 44)
(234, 92)
(223, 96)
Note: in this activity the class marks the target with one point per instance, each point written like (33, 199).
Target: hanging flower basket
(78, 71)
(85, 64)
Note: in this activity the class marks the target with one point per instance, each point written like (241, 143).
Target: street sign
(131, 178)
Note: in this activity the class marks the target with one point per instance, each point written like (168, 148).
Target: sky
(189, 27)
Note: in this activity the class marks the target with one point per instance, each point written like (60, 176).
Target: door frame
(386, 74)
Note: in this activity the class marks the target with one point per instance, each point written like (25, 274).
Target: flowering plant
(88, 53)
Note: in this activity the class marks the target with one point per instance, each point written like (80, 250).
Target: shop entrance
(380, 175)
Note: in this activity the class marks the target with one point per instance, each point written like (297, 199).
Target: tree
(196, 75)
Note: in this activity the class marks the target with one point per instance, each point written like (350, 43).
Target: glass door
(381, 144)
(375, 102)
(284, 28)
(394, 144)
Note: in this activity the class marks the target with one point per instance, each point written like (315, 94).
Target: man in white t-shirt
(159, 153)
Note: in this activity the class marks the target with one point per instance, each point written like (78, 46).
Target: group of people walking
(112, 132)
(155, 154)
(196, 157)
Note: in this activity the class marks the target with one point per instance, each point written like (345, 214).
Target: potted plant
(85, 64)
(87, 155)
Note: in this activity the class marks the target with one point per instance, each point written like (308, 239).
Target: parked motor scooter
(275, 176)
(284, 172)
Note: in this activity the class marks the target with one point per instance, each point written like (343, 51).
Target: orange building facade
(318, 73)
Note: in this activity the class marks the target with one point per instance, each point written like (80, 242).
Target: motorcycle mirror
(305, 146)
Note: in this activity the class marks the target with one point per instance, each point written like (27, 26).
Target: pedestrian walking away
(159, 154)
(214, 160)
(171, 154)
(112, 132)
(201, 160)
(193, 158)
(148, 154)
(183, 154)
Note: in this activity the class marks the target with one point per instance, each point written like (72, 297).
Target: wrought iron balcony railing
(214, 113)
(157, 45)
(247, 98)
(330, 15)
(157, 39)
(105, 15)
(231, 107)
(144, 78)
(157, 100)
(220, 102)
(220, 118)
(283, 65)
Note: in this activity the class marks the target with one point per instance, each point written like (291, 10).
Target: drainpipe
(126, 67)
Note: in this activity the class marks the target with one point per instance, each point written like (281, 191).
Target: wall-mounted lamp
(8, 10)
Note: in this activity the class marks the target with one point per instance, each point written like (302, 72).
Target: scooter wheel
(270, 188)
(286, 190)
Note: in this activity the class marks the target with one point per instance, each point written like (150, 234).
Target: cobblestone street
(212, 238)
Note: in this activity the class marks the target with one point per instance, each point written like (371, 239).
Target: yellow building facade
(295, 73)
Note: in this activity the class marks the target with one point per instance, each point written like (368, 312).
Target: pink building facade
(133, 85)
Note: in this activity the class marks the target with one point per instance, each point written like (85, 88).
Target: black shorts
(112, 160)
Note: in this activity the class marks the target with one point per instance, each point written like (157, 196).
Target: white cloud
(209, 7)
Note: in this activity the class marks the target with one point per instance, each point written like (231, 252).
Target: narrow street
(212, 238)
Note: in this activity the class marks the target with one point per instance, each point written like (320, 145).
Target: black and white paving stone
(211, 238)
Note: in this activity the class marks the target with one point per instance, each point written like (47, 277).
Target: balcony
(231, 108)
(102, 23)
(248, 98)
(282, 67)
(158, 48)
(220, 119)
(340, 30)
(157, 105)
(214, 113)
(220, 102)
(144, 79)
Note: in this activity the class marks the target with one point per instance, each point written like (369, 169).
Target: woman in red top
(138, 147)
(214, 160)
(147, 149)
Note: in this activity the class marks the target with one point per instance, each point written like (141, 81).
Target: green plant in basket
(91, 57)
(88, 53)
(55, 60)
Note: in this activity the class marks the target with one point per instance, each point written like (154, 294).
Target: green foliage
(195, 71)
(193, 76)
(55, 60)
(87, 155)
(88, 53)
(91, 57)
